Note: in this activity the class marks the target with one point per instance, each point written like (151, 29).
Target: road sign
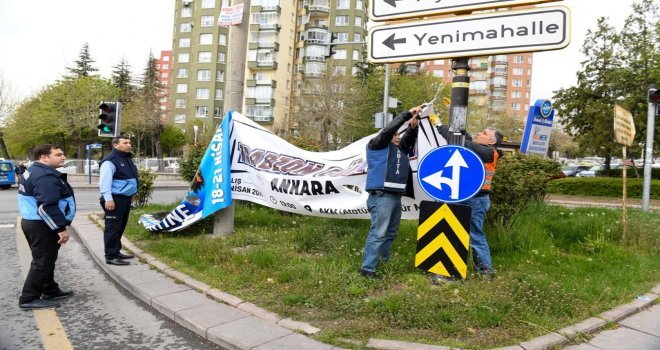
(538, 29)
(451, 173)
(538, 128)
(393, 9)
(443, 238)
(94, 145)
(624, 126)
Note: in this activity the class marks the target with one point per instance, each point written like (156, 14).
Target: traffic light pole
(648, 152)
(460, 89)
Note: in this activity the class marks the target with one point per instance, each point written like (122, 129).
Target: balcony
(254, 27)
(309, 26)
(313, 59)
(480, 66)
(250, 101)
(262, 65)
(254, 46)
(313, 75)
(498, 98)
(500, 74)
(253, 83)
(317, 7)
(259, 8)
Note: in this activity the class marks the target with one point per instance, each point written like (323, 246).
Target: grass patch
(556, 266)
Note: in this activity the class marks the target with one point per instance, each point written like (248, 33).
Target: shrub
(146, 187)
(191, 161)
(631, 174)
(519, 179)
(602, 187)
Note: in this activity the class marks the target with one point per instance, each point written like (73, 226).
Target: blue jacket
(388, 166)
(45, 195)
(118, 175)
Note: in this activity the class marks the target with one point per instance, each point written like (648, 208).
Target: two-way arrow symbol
(389, 42)
(455, 162)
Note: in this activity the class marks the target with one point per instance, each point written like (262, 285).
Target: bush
(519, 179)
(602, 187)
(146, 187)
(190, 163)
(655, 173)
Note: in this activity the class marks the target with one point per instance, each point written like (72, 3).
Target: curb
(236, 324)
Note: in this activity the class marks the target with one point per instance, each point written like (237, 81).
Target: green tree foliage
(84, 64)
(121, 78)
(146, 187)
(190, 163)
(172, 139)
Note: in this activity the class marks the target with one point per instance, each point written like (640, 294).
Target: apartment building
(286, 47)
(501, 82)
(164, 68)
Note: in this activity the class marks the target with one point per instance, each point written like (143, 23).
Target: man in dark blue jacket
(118, 183)
(387, 176)
(47, 206)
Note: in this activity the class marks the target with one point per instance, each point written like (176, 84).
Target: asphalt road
(101, 315)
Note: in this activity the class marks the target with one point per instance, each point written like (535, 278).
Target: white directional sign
(381, 10)
(538, 29)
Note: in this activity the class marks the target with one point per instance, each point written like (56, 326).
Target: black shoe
(62, 294)
(125, 256)
(368, 274)
(39, 304)
(117, 261)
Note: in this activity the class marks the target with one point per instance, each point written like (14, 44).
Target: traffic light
(109, 118)
(654, 95)
(331, 45)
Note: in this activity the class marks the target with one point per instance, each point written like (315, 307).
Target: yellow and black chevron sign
(443, 238)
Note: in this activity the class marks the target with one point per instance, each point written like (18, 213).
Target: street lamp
(195, 129)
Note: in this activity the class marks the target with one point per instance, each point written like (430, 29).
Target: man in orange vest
(484, 145)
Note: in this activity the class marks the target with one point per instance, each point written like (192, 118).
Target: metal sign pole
(89, 164)
(460, 89)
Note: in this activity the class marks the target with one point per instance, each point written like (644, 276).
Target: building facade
(164, 70)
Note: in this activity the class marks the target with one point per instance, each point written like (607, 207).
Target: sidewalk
(235, 324)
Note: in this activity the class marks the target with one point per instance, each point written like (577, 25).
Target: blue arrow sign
(451, 174)
(94, 145)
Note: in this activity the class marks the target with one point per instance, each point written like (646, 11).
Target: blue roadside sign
(94, 145)
(451, 174)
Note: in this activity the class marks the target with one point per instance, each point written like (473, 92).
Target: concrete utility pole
(648, 153)
(460, 90)
(223, 220)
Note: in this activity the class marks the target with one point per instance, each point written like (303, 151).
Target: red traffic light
(654, 95)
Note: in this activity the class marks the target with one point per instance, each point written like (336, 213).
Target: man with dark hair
(118, 183)
(484, 144)
(387, 177)
(47, 205)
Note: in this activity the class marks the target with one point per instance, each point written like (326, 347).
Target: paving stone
(169, 304)
(226, 298)
(159, 265)
(619, 312)
(544, 342)
(147, 291)
(176, 274)
(245, 333)
(512, 347)
(583, 346)
(589, 325)
(196, 285)
(387, 344)
(298, 326)
(259, 312)
(647, 321)
(294, 341)
(200, 318)
(625, 338)
(147, 257)
(142, 276)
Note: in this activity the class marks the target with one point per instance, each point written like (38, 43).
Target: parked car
(71, 167)
(170, 165)
(573, 170)
(7, 176)
(591, 172)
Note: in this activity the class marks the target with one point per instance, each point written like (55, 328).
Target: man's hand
(415, 111)
(414, 122)
(110, 205)
(64, 237)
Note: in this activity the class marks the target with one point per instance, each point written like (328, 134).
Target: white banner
(231, 15)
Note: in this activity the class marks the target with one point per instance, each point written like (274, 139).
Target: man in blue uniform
(387, 177)
(118, 183)
(47, 206)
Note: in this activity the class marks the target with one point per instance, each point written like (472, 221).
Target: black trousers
(43, 244)
(115, 223)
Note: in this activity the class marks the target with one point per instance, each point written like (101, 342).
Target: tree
(84, 63)
(172, 138)
(7, 105)
(121, 78)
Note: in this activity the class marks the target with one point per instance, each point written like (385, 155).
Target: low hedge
(655, 173)
(601, 187)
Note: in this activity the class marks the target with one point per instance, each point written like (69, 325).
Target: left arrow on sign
(389, 42)
(391, 2)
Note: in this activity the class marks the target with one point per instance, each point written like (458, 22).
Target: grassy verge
(555, 266)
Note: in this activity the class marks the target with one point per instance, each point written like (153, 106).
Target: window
(516, 82)
(526, 107)
(221, 57)
(206, 21)
(166, 58)
(343, 4)
(356, 55)
(185, 27)
(182, 73)
(224, 3)
(529, 59)
(208, 4)
(186, 12)
(342, 37)
(220, 75)
(180, 103)
(341, 20)
(439, 62)
(202, 112)
(218, 94)
(359, 4)
(166, 66)
(439, 73)
(340, 70)
(181, 88)
(203, 74)
(184, 58)
(516, 94)
(222, 39)
(217, 112)
(206, 39)
(164, 75)
(340, 54)
(358, 21)
(204, 57)
(184, 42)
(515, 106)
(180, 119)
(357, 37)
(517, 59)
(202, 94)
(517, 71)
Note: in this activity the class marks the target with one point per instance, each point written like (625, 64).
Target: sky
(40, 38)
